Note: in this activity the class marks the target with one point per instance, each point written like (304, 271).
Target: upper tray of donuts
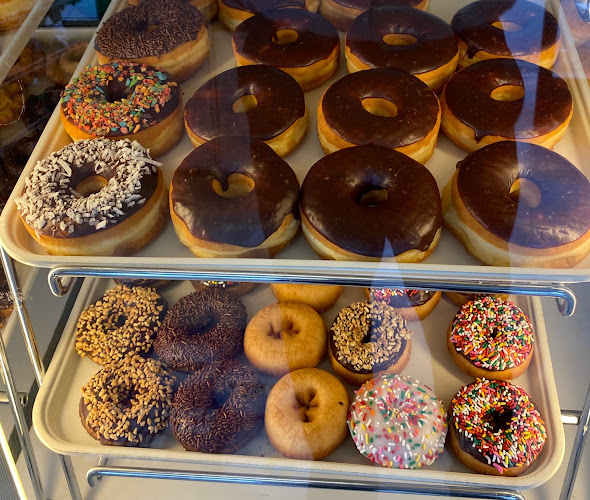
(412, 141)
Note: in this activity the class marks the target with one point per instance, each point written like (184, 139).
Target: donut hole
(526, 192)
(495, 332)
(116, 91)
(497, 419)
(507, 93)
(285, 36)
(506, 26)
(306, 400)
(238, 185)
(379, 106)
(285, 327)
(398, 39)
(121, 320)
(147, 26)
(373, 197)
(245, 103)
(91, 185)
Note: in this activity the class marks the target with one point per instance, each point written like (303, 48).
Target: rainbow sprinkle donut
(397, 422)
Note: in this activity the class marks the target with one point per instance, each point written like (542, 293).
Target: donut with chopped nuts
(95, 197)
(201, 328)
(368, 338)
(219, 408)
(127, 403)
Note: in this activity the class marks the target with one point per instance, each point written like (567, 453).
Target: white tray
(56, 420)
(166, 252)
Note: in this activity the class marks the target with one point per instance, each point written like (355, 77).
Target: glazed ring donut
(494, 428)
(233, 12)
(405, 116)
(305, 414)
(341, 13)
(414, 305)
(526, 218)
(122, 322)
(486, 102)
(406, 39)
(319, 297)
(296, 41)
(368, 338)
(364, 186)
(388, 408)
(170, 35)
(127, 403)
(94, 197)
(284, 337)
(14, 12)
(61, 69)
(123, 100)
(208, 8)
(491, 338)
(219, 408)
(234, 288)
(201, 328)
(460, 298)
(258, 101)
(506, 28)
(234, 197)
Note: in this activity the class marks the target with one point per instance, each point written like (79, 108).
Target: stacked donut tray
(57, 422)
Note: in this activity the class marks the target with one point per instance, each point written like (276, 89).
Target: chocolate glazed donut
(372, 203)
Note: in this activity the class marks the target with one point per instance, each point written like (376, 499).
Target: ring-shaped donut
(233, 12)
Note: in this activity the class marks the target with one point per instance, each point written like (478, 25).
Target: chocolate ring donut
(233, 12)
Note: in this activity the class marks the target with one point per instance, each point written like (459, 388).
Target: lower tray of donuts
(57, 422)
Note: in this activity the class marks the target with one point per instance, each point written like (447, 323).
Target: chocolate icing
(546, 104)
(317, 38)
(408, 219)
(409, 298)
(246, 221)
(435, 43)
(257, 6)
(473, 24)
(417, 108)
(563, 215)
(280, 103)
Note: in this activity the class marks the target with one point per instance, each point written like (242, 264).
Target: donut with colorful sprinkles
(414, 305)
(491, 337)
(495, 428)
(122, 100)
(397, 422)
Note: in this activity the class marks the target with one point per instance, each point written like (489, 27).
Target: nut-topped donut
(234, 196)
(505, 99)
(258, 101)
(384, 107)
(535, 212)
(233, 12)
(506, 28)
(347, 202)
(403, 38)
(297, 41)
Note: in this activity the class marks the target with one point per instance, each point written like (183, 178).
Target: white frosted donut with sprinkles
(397, 422)
(492, 338)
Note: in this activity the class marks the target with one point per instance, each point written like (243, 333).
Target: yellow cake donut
(320, 297)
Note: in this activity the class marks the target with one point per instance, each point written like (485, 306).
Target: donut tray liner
(166, 252)
(56, 420)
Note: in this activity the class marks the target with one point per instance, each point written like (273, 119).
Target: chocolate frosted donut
(506, 28)
(411, 304)
(371, 203)
(403, 38)
(219, 408)
(208, 8)
(278, 115)
(384, 107)
(233, 12)
(201, 328)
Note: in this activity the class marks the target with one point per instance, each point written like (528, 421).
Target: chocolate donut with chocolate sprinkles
(219, 408)
(201, 328)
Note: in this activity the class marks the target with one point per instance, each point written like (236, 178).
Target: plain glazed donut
(491, 338)
(233, 12)
(505, 99)
(414, 305)
(219, 408)
(208, 8)
(285, 337)
(383, 107)
(257, 101)
(14, 12)
(319, 297)
(546, 224)
(406, 39)
(234, 288)
(94, 197)
(216, 217)
(127, 403)
(297, 41)
(170, 35)
(201, 328)
(397, 422)
(364, 186)
(368, 338)
(305, 414)
(123, 100)
(494, 428)
(506, 28)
